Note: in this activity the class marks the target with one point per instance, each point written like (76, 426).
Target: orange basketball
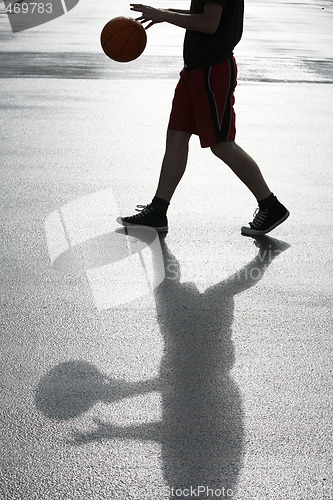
(123, 39)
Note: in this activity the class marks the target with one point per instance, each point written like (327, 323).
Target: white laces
(259, 217)
(139, 208)
(143, 210)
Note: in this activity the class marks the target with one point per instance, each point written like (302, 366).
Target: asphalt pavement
(138, 367)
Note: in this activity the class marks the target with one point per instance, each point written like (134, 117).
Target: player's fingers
(135, 7)
(150, 24)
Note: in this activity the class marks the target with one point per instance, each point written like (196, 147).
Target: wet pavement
(282, 42)
(192, 366)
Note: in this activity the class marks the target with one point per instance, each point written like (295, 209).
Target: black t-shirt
(203, 49)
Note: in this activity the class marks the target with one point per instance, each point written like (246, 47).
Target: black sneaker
(266, 219)
(149, 215)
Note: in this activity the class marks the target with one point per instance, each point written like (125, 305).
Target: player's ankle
(160, 203)
(267, 202)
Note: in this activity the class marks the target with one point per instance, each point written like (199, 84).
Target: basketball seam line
(120, 29)
(128, 39)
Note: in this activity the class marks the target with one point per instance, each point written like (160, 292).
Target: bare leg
(243, 166)
(174, 163)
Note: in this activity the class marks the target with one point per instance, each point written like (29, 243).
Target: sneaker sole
(161, 229)
(247, 231)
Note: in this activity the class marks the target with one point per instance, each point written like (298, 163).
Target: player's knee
(177, 139)
(218, 149)
(222, 149)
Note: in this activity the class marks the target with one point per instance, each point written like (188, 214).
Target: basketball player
(203, 105)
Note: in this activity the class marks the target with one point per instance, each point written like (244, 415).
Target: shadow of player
(201, 431)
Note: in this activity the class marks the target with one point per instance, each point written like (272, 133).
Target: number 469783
(29, 8)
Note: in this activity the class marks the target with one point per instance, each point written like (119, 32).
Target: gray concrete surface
(221, 376)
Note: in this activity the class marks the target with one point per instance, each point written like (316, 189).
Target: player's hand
(149, 14)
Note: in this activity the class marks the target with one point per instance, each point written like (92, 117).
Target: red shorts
(203, 103)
